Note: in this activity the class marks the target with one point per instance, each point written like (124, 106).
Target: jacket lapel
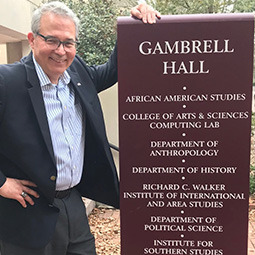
(81, 88)
(35, 93)
(87, 94)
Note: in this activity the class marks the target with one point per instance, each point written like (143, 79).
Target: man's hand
(146, 13)
(14, 188)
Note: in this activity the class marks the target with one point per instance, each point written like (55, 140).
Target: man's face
(53, 62)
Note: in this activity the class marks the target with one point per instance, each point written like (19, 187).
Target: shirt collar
(44, 79)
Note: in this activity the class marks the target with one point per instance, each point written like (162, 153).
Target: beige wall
(3, 54)
(109, 100)
(15, 16)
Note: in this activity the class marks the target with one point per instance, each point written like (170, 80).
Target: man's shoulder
(14, 70)
(8, 69)
(12, 74)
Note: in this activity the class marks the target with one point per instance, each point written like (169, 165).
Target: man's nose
(60, 49)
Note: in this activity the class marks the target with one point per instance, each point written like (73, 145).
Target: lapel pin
(78, 84)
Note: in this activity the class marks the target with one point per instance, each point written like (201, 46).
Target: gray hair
(56, 8)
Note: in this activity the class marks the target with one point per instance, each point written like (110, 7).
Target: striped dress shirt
(65, 119)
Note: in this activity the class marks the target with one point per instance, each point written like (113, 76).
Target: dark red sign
(185, 88)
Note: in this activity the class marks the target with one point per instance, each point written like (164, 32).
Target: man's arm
(13, 188)
(106, 75)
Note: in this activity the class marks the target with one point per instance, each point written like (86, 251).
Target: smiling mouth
(58, 60)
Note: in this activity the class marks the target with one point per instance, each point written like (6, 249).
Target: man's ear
(31, 39)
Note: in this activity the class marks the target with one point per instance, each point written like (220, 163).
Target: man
(53, 145)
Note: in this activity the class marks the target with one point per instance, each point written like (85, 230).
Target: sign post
(185, 88)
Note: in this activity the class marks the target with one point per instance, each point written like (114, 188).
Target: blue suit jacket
(26, 150)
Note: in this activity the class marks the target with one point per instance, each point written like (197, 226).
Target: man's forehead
(54, 19)
(52, 22)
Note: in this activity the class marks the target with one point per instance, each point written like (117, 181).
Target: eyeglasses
(53, 43)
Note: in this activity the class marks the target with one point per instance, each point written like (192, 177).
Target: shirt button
(53, 178)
